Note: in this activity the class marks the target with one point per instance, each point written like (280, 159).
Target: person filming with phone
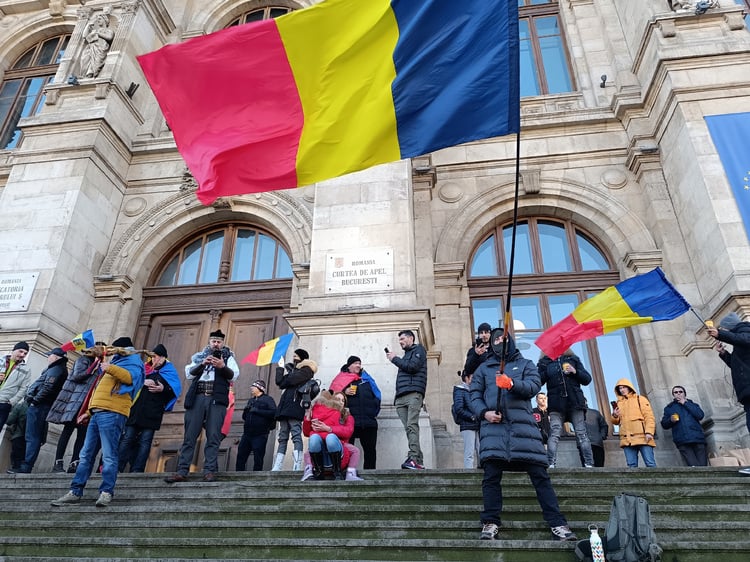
(478, 354)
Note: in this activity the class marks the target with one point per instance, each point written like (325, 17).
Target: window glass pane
(486, 310)
(47, 52)
(591, 258)
(283, 265)
(25, 60)
(8, 93)
(212, 258)
(243, 255)
(169, 277)
(554, 246)
(616, 361)
(64, 46)
(561, 305)
(526, 313)
(191, 259)
(264, 258)
(254, 16)
(553, 55)
(523, 262)
(276, 12)
(589, 391)
(529, 79)
(484, 262)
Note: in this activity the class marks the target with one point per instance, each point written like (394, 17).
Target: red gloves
(504, 381)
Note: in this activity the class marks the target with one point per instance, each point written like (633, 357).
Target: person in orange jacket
(635, 417)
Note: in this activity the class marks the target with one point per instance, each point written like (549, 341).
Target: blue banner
(731, 136)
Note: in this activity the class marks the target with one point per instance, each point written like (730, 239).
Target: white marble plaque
(359, 271)
(16, 290)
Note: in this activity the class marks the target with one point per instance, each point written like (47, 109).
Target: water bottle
(597, 550)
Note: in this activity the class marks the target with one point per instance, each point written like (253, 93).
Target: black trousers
(368, 437)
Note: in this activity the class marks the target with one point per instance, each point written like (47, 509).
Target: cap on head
(302, 354)
(260, 385)
(352, 359)
(21, 345)
(217, 335)
(57, 351)
(484, 327)
(730, 321)
(123, 342)
(160, 350)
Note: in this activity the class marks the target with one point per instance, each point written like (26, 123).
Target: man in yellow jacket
(635, 417)
(116, 389)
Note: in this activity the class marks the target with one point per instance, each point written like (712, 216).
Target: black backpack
(307, 392)
(629, 536)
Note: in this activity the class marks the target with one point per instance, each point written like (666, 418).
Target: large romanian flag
(270, 352)
(644, 298)
(82, 341)
(336, 88)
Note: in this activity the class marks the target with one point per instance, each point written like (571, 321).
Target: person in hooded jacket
(290, 411)
(683, 417)
(467, 422)
(40, 396)
(564, 377)
(363, 399)
(734, 331)
(635, 417)
(509, 438)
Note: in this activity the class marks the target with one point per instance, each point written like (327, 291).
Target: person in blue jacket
(684, 417)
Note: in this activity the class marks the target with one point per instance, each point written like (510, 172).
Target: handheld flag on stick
(336, 88)
(641, 299)
(82, 341)
(269, 352)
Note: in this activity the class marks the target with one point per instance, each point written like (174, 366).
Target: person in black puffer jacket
(259, 416)
(564, 377)
(509, 438)
(737, 333)
(466, 420)
(684, 417)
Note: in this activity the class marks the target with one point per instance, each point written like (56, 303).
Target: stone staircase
(699, 514)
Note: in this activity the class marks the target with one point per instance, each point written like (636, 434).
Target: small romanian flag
(641, 299)
(80, 342)
(269, 352)
(337, 87)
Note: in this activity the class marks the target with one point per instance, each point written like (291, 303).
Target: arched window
(22, 90)
(260, 14)
(228, 255)
(556, 267)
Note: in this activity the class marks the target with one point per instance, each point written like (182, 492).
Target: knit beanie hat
(730, 321)
(160, 350)
(260, 385)
(217, 335)
(484, 327)
(122, 342)
(21, 345)
(352, 359)
(302, 354)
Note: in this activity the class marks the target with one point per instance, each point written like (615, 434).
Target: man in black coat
(40, 396)
(479, 352)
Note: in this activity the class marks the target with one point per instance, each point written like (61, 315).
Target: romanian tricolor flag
(269, 352)
(336, 88)
(644, 298)
(81, 341)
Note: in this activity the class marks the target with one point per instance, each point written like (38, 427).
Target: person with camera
(206, 401)
(478, 354)
(290, 378)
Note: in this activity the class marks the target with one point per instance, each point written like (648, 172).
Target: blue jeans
(135, 447)
(471, 446)
(36, 426)
(631, 455)
(332, 444)
(492, 491)
(105, 429)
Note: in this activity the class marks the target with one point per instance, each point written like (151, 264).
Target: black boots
(58, 466)
(317, 464)
(338, 474)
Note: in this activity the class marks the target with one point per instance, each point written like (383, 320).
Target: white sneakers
(69, 498)
(104, 499)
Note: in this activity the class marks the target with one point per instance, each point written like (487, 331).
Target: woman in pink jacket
(327, 431)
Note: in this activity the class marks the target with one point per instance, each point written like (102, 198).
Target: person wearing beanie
(734, 331)
(290, 412)
(206, 401)
(478, 352)
(161, 388)
(15, 378)
(363, 398)
(121, 380)
(259, 418)
(467, 422)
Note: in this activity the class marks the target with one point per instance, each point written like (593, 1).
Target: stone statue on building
(98, 37)
(699, 7)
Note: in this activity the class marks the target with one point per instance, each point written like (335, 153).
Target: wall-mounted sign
(359, 271)
(16, 290)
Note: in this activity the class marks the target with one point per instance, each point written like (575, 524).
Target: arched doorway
(233, 277)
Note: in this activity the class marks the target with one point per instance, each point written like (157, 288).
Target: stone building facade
(100, 220)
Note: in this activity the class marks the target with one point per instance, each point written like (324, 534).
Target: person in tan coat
(635, 417)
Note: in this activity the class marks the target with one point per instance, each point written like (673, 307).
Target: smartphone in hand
(386, 350)
(613, 404)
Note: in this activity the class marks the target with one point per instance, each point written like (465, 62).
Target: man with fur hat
(120, 381)
(734, 331)
(40, 396)
(509, 439)
(290, 411)
(15, 378)
(161, 387)
(210, 371)
(259, 416)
